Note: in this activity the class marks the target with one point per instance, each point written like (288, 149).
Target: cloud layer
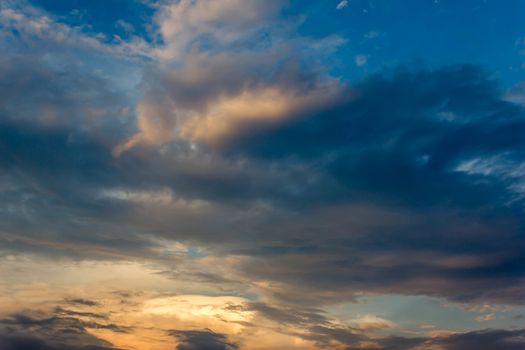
(224, 153)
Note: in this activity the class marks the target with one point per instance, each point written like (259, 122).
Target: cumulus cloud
(211, 81)
(187, 24)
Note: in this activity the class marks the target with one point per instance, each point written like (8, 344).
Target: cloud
(312, 325)
(287, 315)
(407, 161)
(483, 340)
(360, 60)
(51, 333)
(222, 115)
(487, 317)
(155, 125)
(222, 152)
(40, 94)
(314, 192)
(341, 5)
(202, 340)
(210, 81)
(267, 105)
(24, 23)
(309, 324)
(367, 191)
(80, 301)
(362, 188)
(516, 94)
(372, 34)
(372, 323)
(188, 24)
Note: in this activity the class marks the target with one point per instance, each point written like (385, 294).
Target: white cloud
(342, 4)
(361, 60)
(188, 24)
(36, 26)
(372, 323)
(372, 34)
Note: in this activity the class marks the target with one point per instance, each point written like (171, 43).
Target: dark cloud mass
(411, 195)
(49, 333)
(22, 331)
(482, 340)
(202, 340)
(416, 218)
(487, 339)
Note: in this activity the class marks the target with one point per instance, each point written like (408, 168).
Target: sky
(259, 175)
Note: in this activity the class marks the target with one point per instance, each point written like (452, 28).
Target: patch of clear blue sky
(410, 312)
(423, 33)
(111, 17)
(415, 33)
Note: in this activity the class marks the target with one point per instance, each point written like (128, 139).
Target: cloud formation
(234, 153)
(205, 340)
(52, 333)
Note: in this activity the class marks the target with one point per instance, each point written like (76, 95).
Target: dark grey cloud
(397, 343)
(202, 340)
(400, 137)
(81, 301)
(484, 340)
(22, 331)
(58, 116)
(324, 336)
(67, 312)
(398, 149)
(488, 339)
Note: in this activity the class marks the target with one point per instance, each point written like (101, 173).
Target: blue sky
(427, 33)
(245, 174)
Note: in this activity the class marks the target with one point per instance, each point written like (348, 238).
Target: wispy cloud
(341, 5)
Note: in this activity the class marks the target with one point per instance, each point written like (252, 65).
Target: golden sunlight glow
(262, 105)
